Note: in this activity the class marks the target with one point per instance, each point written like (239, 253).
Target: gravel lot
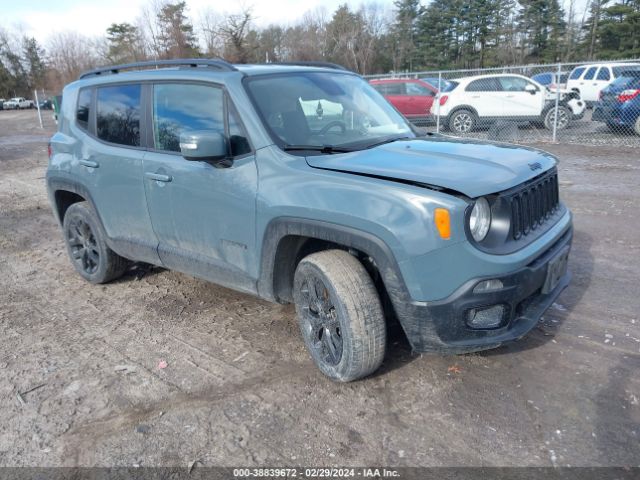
(80, 383)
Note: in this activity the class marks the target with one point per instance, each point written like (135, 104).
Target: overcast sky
(39, 18)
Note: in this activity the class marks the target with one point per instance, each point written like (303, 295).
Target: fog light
(489, 317)
(488, 285)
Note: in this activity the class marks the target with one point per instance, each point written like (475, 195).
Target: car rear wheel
(564, 116)
(89, 253)
(636, 126)
(340, 315)
(462, 121)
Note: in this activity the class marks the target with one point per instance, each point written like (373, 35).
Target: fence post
(555, 117)
(38, 107)
(438, 104)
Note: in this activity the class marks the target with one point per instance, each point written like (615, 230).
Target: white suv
(588, 80)
(483, 99)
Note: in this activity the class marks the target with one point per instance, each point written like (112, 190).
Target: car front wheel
(564, 116)
(340, 315)
(462, 121)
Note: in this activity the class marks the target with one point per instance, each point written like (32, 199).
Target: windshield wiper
(317, 148)
(385, 141)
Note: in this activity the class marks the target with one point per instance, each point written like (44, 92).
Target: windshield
(322, 109)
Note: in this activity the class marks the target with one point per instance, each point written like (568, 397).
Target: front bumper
(442, 327)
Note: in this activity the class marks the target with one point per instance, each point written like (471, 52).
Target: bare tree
(210, 23)
(234, 30)
(69, 54)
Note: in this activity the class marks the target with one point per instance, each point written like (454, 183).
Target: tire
(462, 121)
(340, 315)
(564, 118)
(636, 126)
(86, 246)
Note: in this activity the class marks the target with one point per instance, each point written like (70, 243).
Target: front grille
(532, 205)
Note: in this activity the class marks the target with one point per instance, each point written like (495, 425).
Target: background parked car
(2, 100)
(552, 80)
(434, 81)
(588, 80)
(411, 97)
(46, 104)
(484, 99)
(619, 104)
(17, 103)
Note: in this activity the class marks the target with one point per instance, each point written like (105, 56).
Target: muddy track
(240, 389)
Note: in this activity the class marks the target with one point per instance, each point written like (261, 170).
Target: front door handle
(89, 163)
(158, 177)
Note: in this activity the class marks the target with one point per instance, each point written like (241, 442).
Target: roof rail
(312, 64)
(185, 62)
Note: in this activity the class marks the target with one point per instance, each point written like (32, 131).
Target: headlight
(480, 219)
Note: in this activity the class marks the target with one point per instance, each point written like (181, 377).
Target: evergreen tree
(176, 38)
(34, 61)
(542, 25)
(403, 33)
(124, 43)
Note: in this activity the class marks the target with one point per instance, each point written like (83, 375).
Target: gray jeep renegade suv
(300, 183)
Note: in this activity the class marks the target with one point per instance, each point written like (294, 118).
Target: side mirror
(532, 89)
(203, 145)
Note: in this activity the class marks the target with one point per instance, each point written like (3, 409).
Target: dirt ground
(80, 383)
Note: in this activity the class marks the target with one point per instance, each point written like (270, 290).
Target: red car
(411, 97)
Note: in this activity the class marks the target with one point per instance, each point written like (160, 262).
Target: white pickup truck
(17, 103)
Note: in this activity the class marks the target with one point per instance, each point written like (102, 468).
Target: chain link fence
(596, 103)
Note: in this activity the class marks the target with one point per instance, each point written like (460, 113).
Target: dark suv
(300, 183)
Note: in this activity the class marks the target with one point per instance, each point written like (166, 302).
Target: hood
(470, 167)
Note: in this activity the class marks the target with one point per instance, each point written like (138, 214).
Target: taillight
(600, 95)
(627, 95)
(443, 99)
(49, 152)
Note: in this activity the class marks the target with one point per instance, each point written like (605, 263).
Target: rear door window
(603, 74)
(590, 73)
(393, 88)
(118, 114)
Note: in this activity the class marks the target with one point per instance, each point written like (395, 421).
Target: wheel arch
(64, 193)
(287, 240)
(457, 108)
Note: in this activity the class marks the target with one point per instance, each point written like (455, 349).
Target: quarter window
(237, 137)
(118, 114)
(84, 108)
(179, 108)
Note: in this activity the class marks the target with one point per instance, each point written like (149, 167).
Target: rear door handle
(89, 163)
(158, 177)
